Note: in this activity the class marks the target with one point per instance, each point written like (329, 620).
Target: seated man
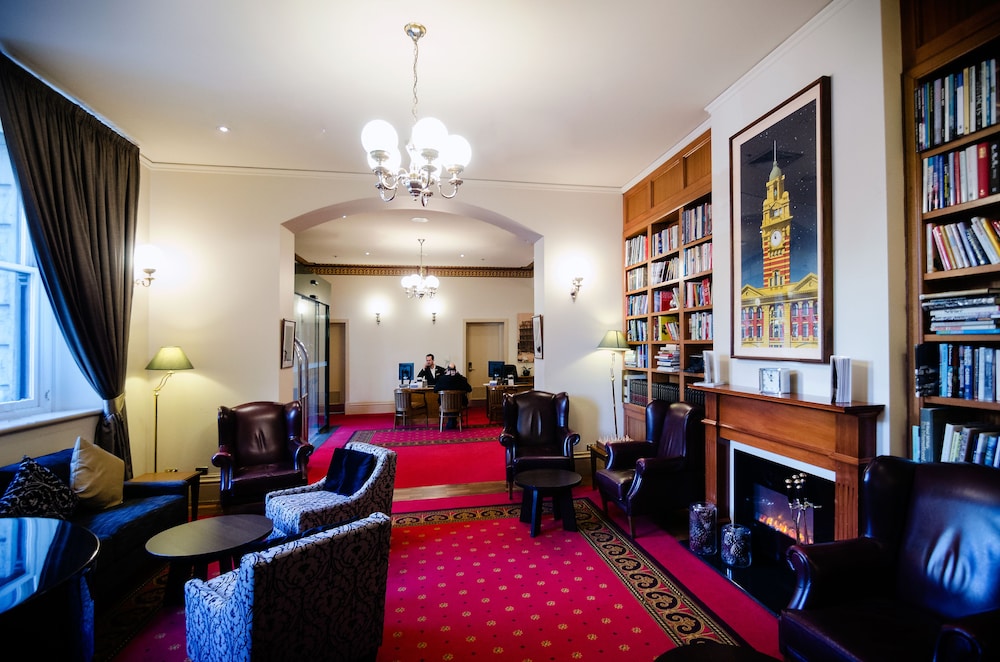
(453, 380)
(430, 372)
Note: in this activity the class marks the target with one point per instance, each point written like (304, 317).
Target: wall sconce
(378, 319)
(576, 288)
(434, 318)
(150, 257)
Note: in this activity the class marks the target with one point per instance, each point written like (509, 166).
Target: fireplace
(764, 489)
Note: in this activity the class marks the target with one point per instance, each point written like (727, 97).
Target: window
(35, 364)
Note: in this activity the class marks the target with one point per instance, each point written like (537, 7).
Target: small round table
(190, 546)
(540, 483)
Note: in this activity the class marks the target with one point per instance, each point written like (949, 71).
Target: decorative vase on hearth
(701, 534)
(735, 550)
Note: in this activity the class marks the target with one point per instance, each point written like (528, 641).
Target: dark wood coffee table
(540, 483)
(191, 546)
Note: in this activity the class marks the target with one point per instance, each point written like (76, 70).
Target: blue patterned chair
(319, 597)
(299, 509)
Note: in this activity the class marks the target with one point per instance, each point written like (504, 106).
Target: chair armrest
(975, 637)
(506, 439)
(300, 451)
(569, 441)
(656, 467)
(222, 459)
(301, 489)
(132, 490)
(837, 572)
(622, 455)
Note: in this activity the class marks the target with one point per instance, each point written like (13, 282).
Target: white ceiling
(565, 92)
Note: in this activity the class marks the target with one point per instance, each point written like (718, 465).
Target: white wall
(229, 277)
(845, 42)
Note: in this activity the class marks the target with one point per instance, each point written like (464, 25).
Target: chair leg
(631, 527)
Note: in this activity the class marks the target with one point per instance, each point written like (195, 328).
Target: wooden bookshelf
(667, 278)
(941, 42)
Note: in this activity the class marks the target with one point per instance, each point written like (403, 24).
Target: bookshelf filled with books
(667, 239)
(952, 165)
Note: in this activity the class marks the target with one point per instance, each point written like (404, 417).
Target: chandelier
(431, 149)
(419, 284)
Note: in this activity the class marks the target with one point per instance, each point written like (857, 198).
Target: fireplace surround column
(840, 438)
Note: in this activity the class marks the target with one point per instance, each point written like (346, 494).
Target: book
(925, 370)
(978, 291)
(932, 426)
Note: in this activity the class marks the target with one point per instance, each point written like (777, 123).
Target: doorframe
(504, 323)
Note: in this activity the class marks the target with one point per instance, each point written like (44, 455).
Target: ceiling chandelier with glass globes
(433, 152)
(420, 285)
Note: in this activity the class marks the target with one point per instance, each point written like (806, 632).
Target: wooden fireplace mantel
(840, 438)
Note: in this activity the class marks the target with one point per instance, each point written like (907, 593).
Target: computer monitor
(495, 369)
(509, 370)
(405, 372)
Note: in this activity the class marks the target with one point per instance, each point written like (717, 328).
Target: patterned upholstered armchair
(320, 597)
(298, 509)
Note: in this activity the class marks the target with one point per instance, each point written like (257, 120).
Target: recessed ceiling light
(223, 129)
(419, 219)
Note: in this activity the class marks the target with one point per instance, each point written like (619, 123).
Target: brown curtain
(80, 184)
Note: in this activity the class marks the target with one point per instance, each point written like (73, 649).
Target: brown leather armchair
(922, 582)
(536, 433)
(667, 470)
(260, 450)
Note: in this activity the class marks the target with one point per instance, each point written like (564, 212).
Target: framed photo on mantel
(782, 266)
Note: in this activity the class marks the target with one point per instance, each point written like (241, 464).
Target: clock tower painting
(779, 313)
(782, 304)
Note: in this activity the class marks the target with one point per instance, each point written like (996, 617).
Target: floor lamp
(615, 341)
(170, 359)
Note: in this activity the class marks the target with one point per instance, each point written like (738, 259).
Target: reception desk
(494, 397)
(426, 394)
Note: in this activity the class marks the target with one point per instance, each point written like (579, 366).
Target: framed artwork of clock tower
(782, 303)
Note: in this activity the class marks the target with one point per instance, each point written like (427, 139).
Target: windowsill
(44, 420)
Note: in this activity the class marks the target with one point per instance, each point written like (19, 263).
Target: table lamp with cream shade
(615, 341)
(170, 359)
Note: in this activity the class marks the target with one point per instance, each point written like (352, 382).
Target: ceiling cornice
(321, 269)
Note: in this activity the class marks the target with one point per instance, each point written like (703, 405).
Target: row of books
(962, 175)
(957, 104)
(666, 240)
(698, 293)
(664, 270)
(636, 250)
(666, 328)
(668, 358)
(635, 330)
(636, 304)
(962, 371)
(700, 326)
(665, 299)
(698, 258)
(942, 436)
(696, 222)
(639, 392)
(971, 243)
(635, 278)
(637, 357)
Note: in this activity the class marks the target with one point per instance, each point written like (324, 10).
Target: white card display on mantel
(840, 380)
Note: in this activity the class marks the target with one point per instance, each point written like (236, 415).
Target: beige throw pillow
(96, 476)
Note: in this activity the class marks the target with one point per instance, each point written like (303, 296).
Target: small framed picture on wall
(287, 342)
(536, 334)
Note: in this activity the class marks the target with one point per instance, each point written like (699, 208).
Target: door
(484, 342)
(311, 329)
(338, 366)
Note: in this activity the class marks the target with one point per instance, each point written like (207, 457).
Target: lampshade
(614, 340)
(170, 358)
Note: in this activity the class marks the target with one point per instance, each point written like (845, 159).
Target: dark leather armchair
(536, 433)
(922, 582)
(667, 470)
(260, 450)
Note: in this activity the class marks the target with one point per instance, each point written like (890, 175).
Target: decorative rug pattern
(429, 437)
(515, 586)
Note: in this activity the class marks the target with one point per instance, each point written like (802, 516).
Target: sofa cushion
(349, 469)
(37, 492)
(97, 477)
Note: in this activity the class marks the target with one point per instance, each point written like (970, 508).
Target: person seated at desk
(453, 380)
(430, 372)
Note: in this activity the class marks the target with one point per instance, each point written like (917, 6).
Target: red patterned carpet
(470, 582)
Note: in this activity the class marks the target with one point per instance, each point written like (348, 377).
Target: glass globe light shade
(409, 281)
(429, 133)
(457, 151)
(379, 135)
(431, 281)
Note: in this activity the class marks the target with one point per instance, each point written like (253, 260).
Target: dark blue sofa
(123, 530)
